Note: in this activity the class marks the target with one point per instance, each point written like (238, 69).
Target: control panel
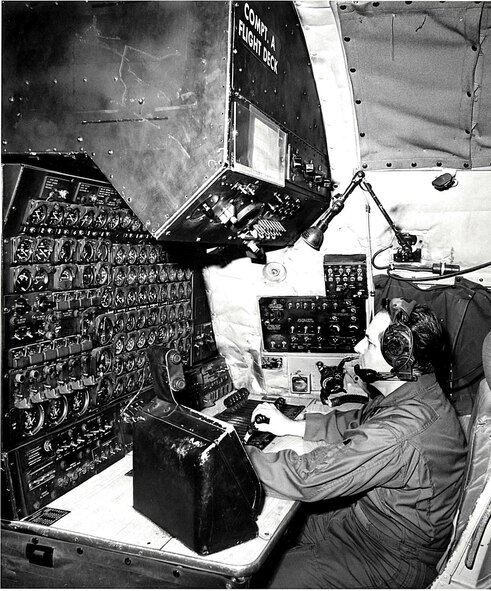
(86, 290)
(333, 323)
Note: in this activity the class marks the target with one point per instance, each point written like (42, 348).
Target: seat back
(477, 475)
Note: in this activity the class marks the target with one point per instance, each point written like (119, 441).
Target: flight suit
(398, 462)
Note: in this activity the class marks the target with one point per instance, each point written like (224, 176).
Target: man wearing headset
(394, 467)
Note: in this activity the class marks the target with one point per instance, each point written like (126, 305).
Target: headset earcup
(397, 345)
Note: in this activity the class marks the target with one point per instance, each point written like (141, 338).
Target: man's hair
(428, 339)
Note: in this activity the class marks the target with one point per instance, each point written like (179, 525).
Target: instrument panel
(86, 289)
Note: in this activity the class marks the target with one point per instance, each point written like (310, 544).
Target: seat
(467, 562)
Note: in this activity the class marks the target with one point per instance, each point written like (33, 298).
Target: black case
(192, 475)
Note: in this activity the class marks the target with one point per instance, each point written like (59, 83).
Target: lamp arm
(338, 201)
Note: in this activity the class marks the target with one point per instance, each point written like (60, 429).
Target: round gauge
(101, 218)
(44, 249)
(66, 275)
(79, 402)
(104, 391)
(125, 220)
(113, 220)
(130, 383)
(153, 255)
(142, 275)
(57, 410)
(40, 279)
(172, 273)
(130, 322)
(129, 362)
(188, 312)
(103, 275)
(104, 361)
(172, 314)
(188, 274)
(88, 276)
(119, 345)
(143, 296)
(180, 274)
(87, 252)
(141, 320)
(189, 290)
(119, 298)
(163, 315)
(143, 256)
(55, 217)
(32, 420)
(141, 341)
(163, 276)
(153, 315)
(87, 219)
(105, 330)
(87, 323)
(72, 215)
(120, 323)
(107, 297)
(118, 366)
(176, 329)
(186, 327)
(132, 275)
(152, 295)
(180, 312)
(119, 276)
(65, 251)
(151, 338)
(24, 250)
(130, 343)
(132, 297)
(132, 255)
(102, 251)
(118, 389)
(119, 256)
(141, 359)
(136, 225)
(162, 334)
(172, 292)
(38, 215)
(152, 275)
(140, 379)
(180, 291)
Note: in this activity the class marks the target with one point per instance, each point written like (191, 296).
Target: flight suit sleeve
(367, 457)
(330, 426)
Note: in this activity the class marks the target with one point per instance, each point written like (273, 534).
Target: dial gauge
(152, 275)
(125, 220)
(130, 322)
(107, 297)
(130, 343)
(24, 250)
(79, 402)
(119, 276)
(172, 272)
(143, 256)
(153, 255)
(87, 219)
(38, 215)
(104, 361)
(119, 256)
(55, 217)
(44, 250)
(102, 251)
(32, 419)
(72, 215)
(120, 323)
(141, 341)
(88, 276)
(151, 338)
(119, 345)
(152, 295)
(140, 359)
(87, 252)
(57, 410)
(129, 363)
(40, 279)
(142, 275)
(141, 320)
(65, 251)
(118, 366)
(105, 330)
(132, 255)
(132, 275)
(132, 297)
(113, 220)
(103, 275)
(101, 218)
(119, 298)
(163, 276)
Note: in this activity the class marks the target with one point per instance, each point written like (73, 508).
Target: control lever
(280, 405)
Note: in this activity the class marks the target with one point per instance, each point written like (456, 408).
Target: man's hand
(278, 424)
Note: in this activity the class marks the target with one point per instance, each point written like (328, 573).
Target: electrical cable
(390, 273)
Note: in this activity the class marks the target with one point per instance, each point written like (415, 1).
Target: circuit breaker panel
(86, 289)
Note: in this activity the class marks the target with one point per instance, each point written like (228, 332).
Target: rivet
(388, 164)
(347, 39)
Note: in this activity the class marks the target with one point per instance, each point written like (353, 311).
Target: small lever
(280, 405)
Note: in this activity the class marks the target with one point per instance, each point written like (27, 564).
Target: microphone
(440, 268)
(370, 375)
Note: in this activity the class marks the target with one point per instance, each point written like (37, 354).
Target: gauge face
(120, 323)
(38, 215)
(142, 275)
(40, 280)
(143, 296)
(103, 275)
(140, 359)
(88, 276)
(141, 340)
(188, 274)
(132, 297)
(87, 219)
(153, 314)
(57, 410)
(173, 292)
(87, 252)
(130, 343)
(65, 251)
(43, 251)
(102, 251)
(141, 320)
(125, 220)
(106, 297)
(32, 420)
(172, 273)
(163, 276)
(153, 255)
(152, 295)
(119, 299)
(151, 338)
(132, 275)
(152, 275)
(113, 220)
(104, 390)
(24, 250)
(119, 256)
(180, 274)
(104, 361)
(132, 255)
(80, 402)
(119, 345)
(119, 276)
(100, 219)
(129, 363)
(130, 383)
(143, 256)
(105, 330)
(136, 225)
(118, 366)
(56, 215)
(72, 215)
(66, 275)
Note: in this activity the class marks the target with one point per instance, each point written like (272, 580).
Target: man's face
(369, 348)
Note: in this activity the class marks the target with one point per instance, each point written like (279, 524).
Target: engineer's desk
(102, 542)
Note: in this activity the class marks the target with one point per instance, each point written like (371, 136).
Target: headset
(397, 340)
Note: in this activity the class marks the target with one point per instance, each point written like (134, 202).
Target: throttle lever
(280, 405)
